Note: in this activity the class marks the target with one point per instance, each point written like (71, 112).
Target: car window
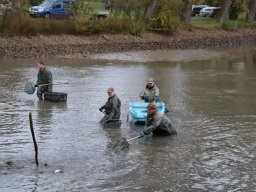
(47, 3)
(56, 5)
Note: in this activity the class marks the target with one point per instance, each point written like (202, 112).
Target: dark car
(196, 9)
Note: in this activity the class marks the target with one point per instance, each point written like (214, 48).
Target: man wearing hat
(157, 123)
(112, 107)
(150, 93)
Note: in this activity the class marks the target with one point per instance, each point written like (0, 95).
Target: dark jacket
(112, 108)
(159, 124)
(45, 77)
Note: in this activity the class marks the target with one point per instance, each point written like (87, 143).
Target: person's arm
(50, 80)
(157, 92)
(37, 82)
(142, 93)
(102, 107)
(154, 125)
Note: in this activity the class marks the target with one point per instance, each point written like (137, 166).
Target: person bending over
(157, 123)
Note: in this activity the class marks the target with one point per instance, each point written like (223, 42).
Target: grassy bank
(20, 23)
(22, 36)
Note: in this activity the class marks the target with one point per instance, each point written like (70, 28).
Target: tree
(250, 16)
(152, 8)
(186, 12)
(224, 12)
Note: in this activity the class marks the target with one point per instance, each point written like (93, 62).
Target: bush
(136, 27)
(163, 23)
(55, 26)
(230, 25)
(19, 22)
(86, 23)
(116, 25)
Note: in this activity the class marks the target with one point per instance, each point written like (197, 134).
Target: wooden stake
(33, 137)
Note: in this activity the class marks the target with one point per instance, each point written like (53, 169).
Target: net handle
(53, 84)
(137, 137)
(123, 139)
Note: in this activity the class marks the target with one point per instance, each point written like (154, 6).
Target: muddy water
(212, 104)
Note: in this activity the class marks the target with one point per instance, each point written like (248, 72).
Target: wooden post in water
(33, 137)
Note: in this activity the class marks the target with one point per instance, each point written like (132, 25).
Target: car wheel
(47, 16)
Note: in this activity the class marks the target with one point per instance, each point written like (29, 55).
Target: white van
(196, 9)
(207, 11)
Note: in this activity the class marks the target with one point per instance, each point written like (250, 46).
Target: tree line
(183, 8)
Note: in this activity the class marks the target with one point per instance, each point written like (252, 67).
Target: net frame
(29, 88)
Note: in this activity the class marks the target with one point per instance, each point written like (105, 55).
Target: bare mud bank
(45, 46)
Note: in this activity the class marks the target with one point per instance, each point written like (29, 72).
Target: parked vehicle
(196, 9)
(207, 11)
(51, 9)
(59, 9)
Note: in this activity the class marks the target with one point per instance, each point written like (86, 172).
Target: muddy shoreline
(45, 46)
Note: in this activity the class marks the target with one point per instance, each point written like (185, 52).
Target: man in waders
(157, 123)
(112, 107)
(150, 93)
(44, 76)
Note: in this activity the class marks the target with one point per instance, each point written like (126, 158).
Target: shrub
(55, 26)
(86, 23)
(253, 24)
(116, 25)
(136, 27)
(230, 25)
(163, 23)
(18, 22)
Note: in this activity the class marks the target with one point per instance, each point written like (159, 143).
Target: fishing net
(29, 88)
(121, 144)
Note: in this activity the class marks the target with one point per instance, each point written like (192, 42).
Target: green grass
(242, 16)
(202, 18)
(211, 24)
(97, 6)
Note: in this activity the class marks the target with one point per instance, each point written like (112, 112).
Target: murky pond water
(212, 104)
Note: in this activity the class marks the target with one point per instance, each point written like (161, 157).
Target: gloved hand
(145, 132)
(155, 98)
(146, 98)
(142, 134)
(101, 109)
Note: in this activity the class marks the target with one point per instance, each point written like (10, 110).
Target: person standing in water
(44, 78)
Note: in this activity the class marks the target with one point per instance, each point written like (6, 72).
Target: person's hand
(101, 109)
(142, 134)
(146, 99)
(155, 98)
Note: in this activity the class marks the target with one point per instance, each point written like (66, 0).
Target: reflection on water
(211, 102)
